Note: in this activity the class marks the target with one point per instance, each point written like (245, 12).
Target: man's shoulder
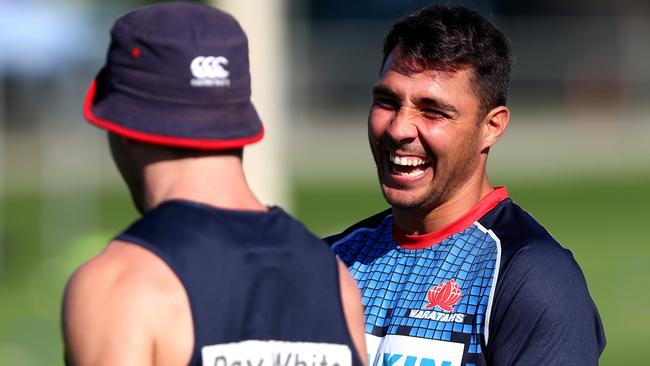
(131, 281)
(542, 284)
(121, 299)
(122, 269)
(519, 232)
(367, 224)
(537, 273)
(531, 257)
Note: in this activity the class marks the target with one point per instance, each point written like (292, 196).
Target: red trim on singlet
(152, 138)
(423, 241)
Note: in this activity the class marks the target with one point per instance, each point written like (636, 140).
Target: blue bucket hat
(176, 74)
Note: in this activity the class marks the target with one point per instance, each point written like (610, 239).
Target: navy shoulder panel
(541, 301)
(517, 229)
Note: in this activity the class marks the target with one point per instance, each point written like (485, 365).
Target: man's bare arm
(117, 308)
(353, 310)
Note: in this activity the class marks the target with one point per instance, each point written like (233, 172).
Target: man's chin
(400, 199)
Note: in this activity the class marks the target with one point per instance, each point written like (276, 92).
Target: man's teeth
(414, 173)
(407, 160)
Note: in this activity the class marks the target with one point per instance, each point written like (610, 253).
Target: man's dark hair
(450, 38)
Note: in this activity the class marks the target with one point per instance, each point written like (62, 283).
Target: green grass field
(601, 220)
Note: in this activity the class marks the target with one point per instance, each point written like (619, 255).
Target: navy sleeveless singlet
(250, 276)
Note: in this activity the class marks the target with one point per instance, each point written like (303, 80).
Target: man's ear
(494, 125)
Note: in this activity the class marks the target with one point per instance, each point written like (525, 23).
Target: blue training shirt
(492, 288)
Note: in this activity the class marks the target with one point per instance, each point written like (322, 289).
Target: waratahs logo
(444, 296)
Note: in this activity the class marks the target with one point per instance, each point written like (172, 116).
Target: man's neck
(214, 181)
(419, 222)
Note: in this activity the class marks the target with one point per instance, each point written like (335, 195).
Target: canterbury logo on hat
(176, 74)
(210, 71)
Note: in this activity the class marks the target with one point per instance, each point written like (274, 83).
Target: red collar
(426, 240)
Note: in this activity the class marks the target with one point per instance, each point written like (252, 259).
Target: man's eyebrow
(438, 104)
(384, 91)
(381, 90)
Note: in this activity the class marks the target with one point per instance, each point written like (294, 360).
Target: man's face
(424, 134)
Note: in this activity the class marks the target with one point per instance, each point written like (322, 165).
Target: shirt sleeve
(543, 313)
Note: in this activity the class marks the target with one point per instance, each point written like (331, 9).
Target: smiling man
(455, 273)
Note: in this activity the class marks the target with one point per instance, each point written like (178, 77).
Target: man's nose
(403, 127)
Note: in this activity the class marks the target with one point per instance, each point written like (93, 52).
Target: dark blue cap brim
(177, 126)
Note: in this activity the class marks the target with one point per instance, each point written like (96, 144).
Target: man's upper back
(244, 275)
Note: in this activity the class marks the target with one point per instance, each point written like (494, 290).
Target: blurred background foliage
(576, 155)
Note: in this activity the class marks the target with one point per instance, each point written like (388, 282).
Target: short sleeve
(542, 312)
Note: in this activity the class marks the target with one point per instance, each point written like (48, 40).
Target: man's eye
(433, 113)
